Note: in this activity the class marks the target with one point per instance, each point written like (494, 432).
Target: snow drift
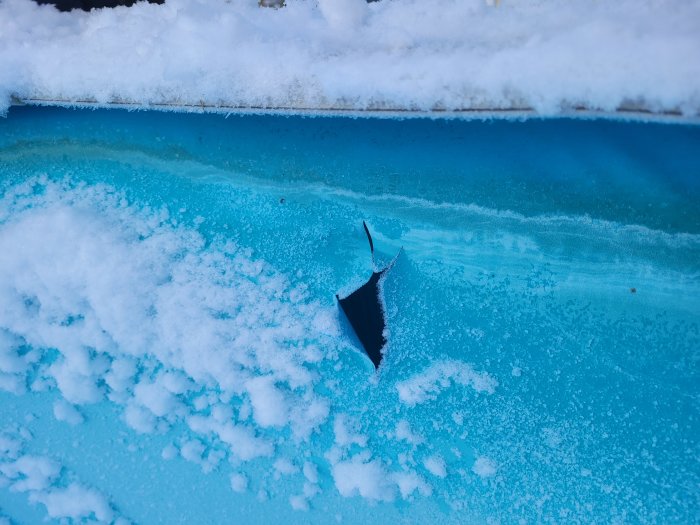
(550, 57)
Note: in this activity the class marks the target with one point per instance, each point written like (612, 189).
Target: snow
(404, 433)
(269, 405)
(240, 438)
(76, 502)
(42, 478)
(436, 466)
(346, 434)
(192, 450)
(169, 452)
(9, 447)
(156, 398)
(31, 473)
(344, 15)
(64, 411)
(364, 478)
(299, 503)
(356, 473)
(12, 383)
(551, 56)
(12, 366)
(310, 472)
(484, 467)
(239, 482)
(374, 479)
(410, 482)
(60, 291)
(284, 467)
(440, 375)
(139, 419)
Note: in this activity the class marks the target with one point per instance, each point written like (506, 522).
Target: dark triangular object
(364, 311)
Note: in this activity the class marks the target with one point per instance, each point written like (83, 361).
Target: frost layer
(550, 56)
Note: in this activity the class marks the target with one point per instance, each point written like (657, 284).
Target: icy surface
(167, 320)
(547, 55)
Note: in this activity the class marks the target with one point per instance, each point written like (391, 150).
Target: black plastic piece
(87, 5)
(364, 311)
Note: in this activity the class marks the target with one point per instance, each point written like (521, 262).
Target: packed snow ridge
(547, 56)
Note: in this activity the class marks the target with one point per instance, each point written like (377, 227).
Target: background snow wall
(437, 55)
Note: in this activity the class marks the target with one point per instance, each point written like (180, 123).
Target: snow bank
(552, 56)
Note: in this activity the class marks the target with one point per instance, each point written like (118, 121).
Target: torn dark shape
(365, 313)
(87, 5)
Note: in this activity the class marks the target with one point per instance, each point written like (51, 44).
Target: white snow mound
(550, 56)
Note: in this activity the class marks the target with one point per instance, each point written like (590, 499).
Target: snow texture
(356, 473)
(45, 481)
(239, 482)
(436, 466)
(551, 56)
(484, 467)
(439, 376)
(365, 478)
(76, 502)
(64, 411)
(404, 433)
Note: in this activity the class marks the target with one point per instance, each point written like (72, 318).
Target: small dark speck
(633, 290)
(282, 201)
